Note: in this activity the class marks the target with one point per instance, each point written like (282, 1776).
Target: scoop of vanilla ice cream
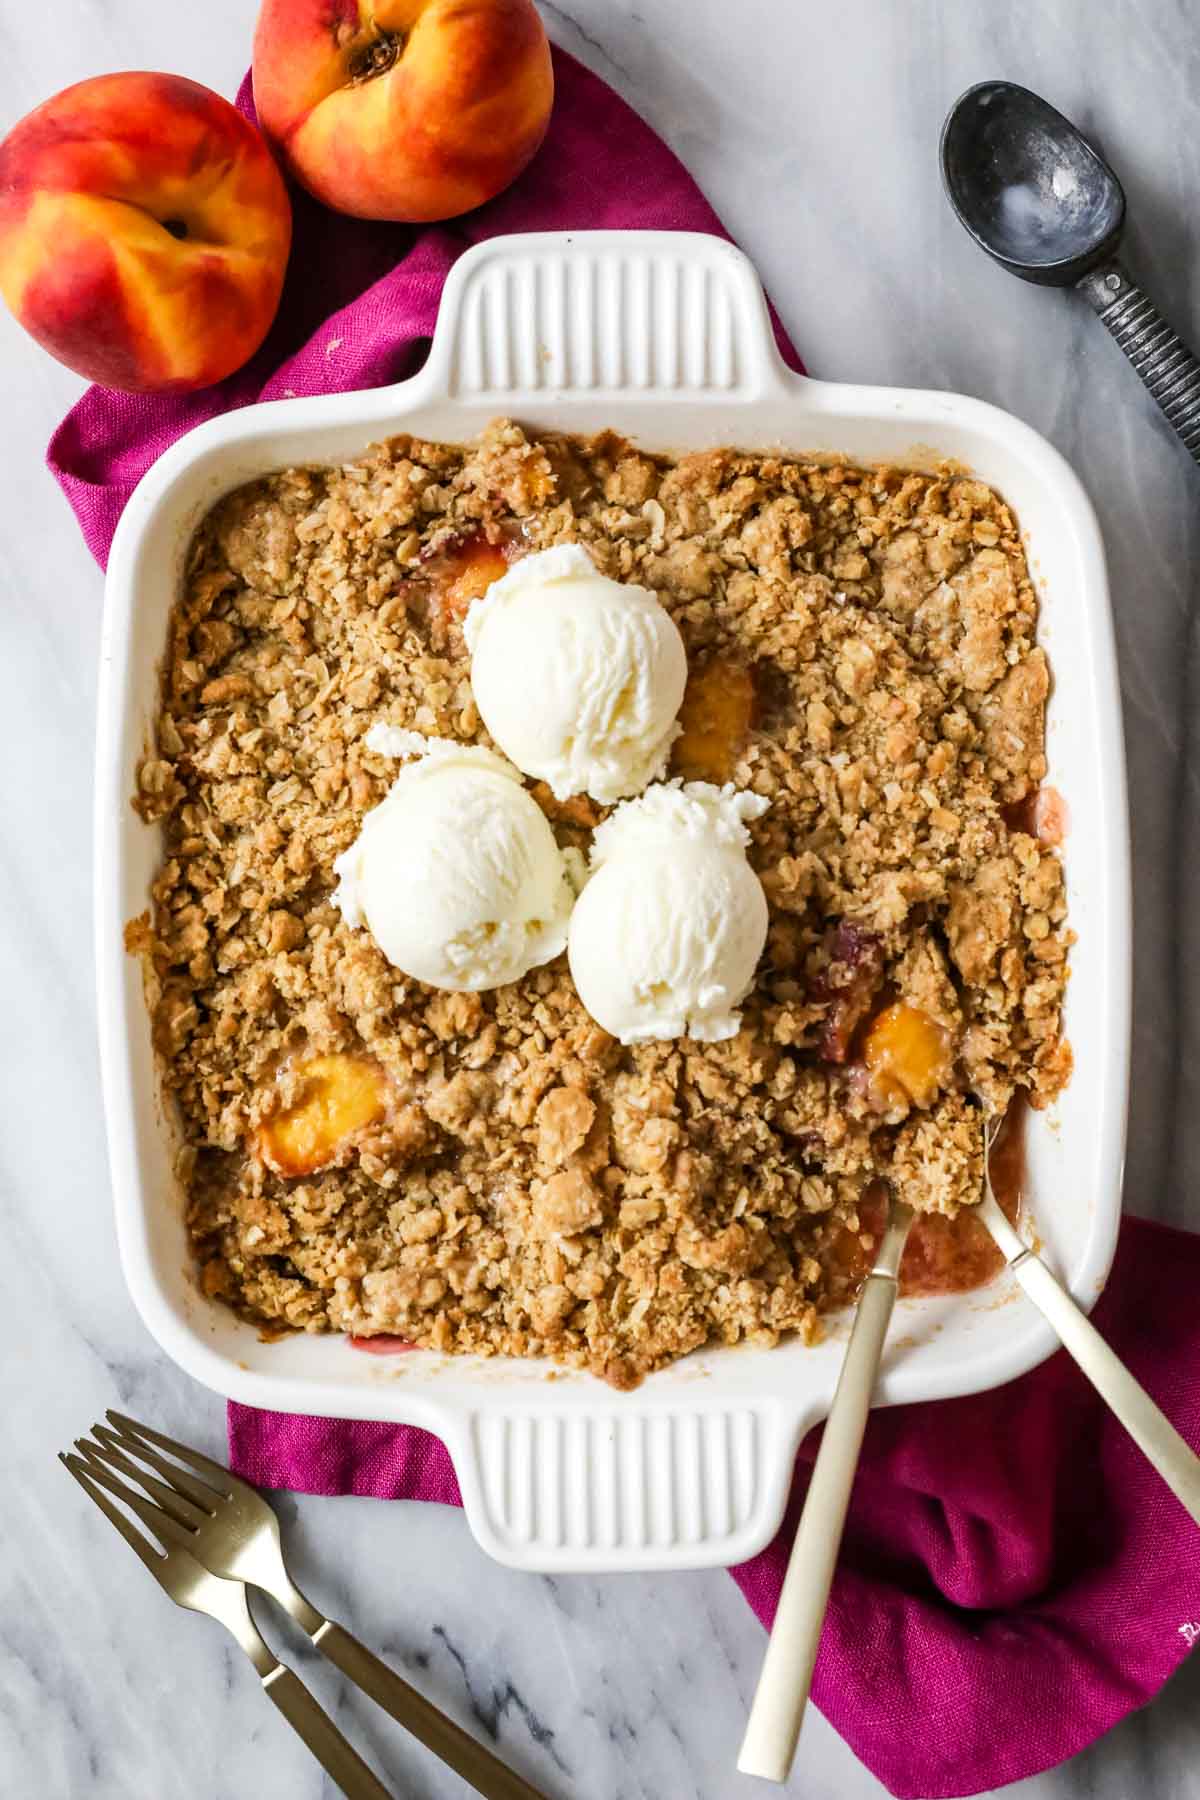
(665, 937)
(578, 678)
(456, 873)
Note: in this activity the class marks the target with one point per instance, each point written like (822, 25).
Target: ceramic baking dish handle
(666, 313)
(626, 1486)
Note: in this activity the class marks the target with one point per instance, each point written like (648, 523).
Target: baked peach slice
(338, 1096)
(715, 718)
(469, 572)
(908, 1054)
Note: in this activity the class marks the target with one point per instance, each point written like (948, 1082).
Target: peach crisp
(492, 1172)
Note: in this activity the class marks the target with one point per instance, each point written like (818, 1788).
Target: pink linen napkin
(1015, 1579)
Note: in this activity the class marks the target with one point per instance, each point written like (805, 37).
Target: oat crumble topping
(862, 652)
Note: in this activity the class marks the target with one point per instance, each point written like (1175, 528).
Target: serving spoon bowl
(1043, 203)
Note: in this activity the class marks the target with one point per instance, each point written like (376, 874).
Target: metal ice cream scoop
(1045, 205)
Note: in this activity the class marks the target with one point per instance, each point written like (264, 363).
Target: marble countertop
(813, 130)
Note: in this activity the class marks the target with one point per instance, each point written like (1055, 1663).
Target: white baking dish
(664, 337)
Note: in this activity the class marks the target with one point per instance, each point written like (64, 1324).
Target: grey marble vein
(622, 1688)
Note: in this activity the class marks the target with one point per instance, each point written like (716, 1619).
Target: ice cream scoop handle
(1160, 356)
(1146, 1424)
(774, 1723)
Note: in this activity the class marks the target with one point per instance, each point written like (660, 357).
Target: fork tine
(164, 1527)
(222, 1482)
(133, 1537)
(180, 1507)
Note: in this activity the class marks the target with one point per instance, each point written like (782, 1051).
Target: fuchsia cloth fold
(1015, 1578)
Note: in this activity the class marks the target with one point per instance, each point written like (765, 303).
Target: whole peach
(144, 231)
(403, 109)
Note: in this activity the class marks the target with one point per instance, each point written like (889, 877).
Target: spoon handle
(774, 1724)
(1159, 354)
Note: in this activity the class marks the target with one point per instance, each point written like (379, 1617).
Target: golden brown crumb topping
(496, 1174)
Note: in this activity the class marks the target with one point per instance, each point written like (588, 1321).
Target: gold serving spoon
(783, 1685)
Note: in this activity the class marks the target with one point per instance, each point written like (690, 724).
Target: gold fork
(1127, 1399)
(192, 1586)
(229, 1529)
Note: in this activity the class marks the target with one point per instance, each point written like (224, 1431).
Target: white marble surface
(813, 129)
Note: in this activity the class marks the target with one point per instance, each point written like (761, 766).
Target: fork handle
(313, 1725)
(456, 1747)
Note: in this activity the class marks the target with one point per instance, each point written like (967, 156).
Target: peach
(908, 1054)
(339, 1096)
(469, 573)
(714, 721)
(403, 109)
(144, 231)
